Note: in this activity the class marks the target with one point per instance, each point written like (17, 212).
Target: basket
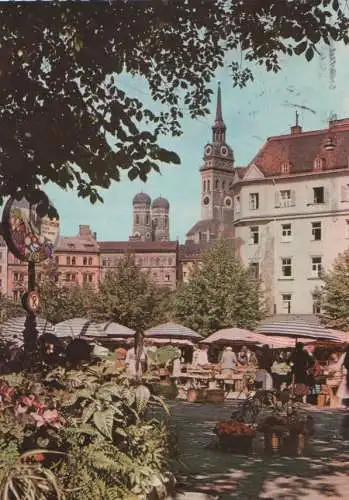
(197, 395)
(215, 395)
(239, 443)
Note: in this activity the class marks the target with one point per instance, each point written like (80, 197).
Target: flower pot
(239, 443)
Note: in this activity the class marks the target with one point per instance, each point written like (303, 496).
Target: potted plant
(287, 434)
(234, 436)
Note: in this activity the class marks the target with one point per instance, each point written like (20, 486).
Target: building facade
(292, 213)
(158, 258)
(150, 219)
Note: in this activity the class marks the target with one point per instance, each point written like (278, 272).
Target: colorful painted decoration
(30, 233)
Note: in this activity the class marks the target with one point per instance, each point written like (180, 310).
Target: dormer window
(329, 144)
(319, 163)
(285, 168)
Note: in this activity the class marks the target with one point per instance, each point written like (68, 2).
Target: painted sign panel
(30, 236)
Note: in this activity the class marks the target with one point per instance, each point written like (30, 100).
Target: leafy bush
(87, 432)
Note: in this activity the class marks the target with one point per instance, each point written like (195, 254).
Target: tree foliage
(128, 296)
(221, 293)
(9, 308)
(60, 302)
(65, 116)
(335, 294)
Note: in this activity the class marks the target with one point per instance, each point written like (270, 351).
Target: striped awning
(13, 328)
(234, 335)
(172, 330)
(295, 329)
(112, 329)
(172, 341)
(78, 327)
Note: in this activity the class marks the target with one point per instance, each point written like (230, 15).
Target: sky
(264, 108)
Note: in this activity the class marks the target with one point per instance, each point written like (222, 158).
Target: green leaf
(104, 421)
(300, 48)
(133, 174)
(309, 54)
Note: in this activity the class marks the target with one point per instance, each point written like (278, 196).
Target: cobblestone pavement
(206, 473)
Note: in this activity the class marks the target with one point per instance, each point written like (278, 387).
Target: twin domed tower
(150, 220)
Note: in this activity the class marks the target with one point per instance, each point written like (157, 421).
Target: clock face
(224, 151)
(228, 202)
(208, 150)
(206, 200)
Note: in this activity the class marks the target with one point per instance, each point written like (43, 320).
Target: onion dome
(141, 199)
(161, 203)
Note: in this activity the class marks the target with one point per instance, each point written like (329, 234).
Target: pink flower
(48, 417)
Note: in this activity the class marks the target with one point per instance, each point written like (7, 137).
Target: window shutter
(277, 199)
(293, 197)
(345, 193)
(326, 195)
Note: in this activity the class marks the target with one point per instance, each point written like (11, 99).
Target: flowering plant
(233, 428)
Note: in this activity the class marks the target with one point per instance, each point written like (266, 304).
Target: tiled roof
(77, 244)
(203, 225)
(138, 246)
(300, 150)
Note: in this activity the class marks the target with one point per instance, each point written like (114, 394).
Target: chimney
(84, 231)
(296, 129)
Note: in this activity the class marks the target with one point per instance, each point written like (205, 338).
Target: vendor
(281, 372)
(244, 356)
(228, 360)
(202, 356)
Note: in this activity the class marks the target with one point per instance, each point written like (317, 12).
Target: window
(18, 277)
(204, 186)
(284, 168)
(137, 219)
(316, 267)
(286, 232)
(104, 262)
(167, 277)
(254, 235)
(254, 201)
(316, 231)
(318, 195)
(286, 302)
(16, 295)
(90, 261)
(73, 277)
(223, 185)
(237, 204)
(285, 198)
(202, 236)
(254, 269)
(73, 261)
(286, 267)
(68, 261)
(67, 277)
(84, 261)
(318, 164)
(147, 220)
(217, 184)
(208, 186)
(90, 278)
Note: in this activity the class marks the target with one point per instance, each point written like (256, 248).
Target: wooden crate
(215, 395)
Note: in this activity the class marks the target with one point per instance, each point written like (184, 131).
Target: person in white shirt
(228, 360)
(202, 356)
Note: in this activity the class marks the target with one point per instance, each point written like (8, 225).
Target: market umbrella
(172, 330)
(13, 328)
(296, 329)
(112, 329)
(164, 340)
(234, 335)
(78, 327)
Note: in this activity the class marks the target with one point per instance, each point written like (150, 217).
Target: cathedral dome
(141, 199)
(161, 203)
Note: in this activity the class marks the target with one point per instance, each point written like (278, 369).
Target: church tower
(142, 227)
(160, 219)
(217, 172)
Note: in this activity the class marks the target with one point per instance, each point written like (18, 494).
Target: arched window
(204, 186)
(223, 185)
(68, 261)
(84, 261)
(137, 219)
(217, 184)
(147, 220)
(73, 261)
(208, 186)
(90, 261)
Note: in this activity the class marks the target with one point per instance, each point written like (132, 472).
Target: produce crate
(215, 395)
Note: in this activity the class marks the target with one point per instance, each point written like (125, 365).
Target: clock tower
(217, 172)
